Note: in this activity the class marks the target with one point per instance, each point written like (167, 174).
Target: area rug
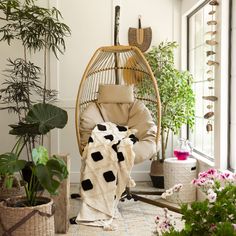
(137, 218)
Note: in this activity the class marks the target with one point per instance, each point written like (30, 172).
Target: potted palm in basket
(25, 93)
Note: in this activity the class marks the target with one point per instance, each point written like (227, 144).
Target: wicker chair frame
(120, 65)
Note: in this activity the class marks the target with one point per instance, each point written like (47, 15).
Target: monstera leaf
(40, 155)
(10, 164)
(47, 116)
(51, 174)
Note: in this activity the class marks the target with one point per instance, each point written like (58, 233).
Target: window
(201, 58)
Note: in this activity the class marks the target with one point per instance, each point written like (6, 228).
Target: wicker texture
(176, 172)
(12, 192)
(140, 38)
(37, 225)
(118, 65)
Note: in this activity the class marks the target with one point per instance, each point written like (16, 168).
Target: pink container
(181, 154)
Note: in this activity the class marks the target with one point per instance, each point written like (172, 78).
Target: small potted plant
(32, 214)
(177, 100)
(215, 216)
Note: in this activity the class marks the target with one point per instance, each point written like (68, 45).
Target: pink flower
(202, 175)
(211, 196)
(226, 176)
(177, 187)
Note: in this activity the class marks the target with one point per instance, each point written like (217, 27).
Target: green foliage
(35, 26)
(38, 29)
(22, 87)
(200, 217)
(47, 116)
(48, 172)
(40, 119)
(9, 163)
(177, 97)
(40, 155)
(215, 216)
(51, 174)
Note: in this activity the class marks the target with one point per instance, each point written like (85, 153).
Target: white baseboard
(136, 175)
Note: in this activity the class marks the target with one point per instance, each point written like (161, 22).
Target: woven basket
(27, 221)
(12, 192)
(140, 38)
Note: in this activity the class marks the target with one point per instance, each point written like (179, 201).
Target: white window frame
(221, 85)
(232, 86)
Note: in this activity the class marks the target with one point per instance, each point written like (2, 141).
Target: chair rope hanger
(120, 65)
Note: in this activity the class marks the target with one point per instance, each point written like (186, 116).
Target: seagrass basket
(27, 221)
(12, 192)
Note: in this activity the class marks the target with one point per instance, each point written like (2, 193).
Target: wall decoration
(211, 44)
(141, 37)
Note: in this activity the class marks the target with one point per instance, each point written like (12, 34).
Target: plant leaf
(51, 174)
(10, 164)
(47, 116)
(40, 155)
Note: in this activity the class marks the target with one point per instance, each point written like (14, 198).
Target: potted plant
(9, 184)
(32, 215)
(177, 99)
(38, 29)
(215, 216)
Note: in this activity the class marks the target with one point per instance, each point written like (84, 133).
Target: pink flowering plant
(216, 215)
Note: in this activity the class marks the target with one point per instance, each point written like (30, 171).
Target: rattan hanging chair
(122, 65)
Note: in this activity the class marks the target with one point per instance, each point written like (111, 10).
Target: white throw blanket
(107, 161)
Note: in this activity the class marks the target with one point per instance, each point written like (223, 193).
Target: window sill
(203, 160)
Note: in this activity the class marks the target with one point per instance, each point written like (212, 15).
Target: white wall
(91, 22)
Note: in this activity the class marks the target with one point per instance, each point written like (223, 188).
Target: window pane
(203, 75)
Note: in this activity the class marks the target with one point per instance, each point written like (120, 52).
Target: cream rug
(137, 218)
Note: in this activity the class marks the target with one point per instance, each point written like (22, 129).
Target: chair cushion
(120, 93)
(134, 115)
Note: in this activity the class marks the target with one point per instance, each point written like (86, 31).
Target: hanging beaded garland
(211, 42)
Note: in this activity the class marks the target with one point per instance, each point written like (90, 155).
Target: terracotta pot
(32, 221)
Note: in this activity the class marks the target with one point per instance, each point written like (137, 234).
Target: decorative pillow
(134, 115)
(113, 93)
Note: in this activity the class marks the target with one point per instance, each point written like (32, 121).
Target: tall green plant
(175, 88)
(38, 29)
(25, 91)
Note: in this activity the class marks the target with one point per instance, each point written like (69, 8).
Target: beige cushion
(112, 93)
(134, 115)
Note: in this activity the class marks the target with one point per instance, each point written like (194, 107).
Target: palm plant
(38, 29)
(25, 91)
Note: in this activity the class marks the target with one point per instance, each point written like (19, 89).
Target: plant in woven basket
(24, 90)
(215, 216)
(175, 88)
